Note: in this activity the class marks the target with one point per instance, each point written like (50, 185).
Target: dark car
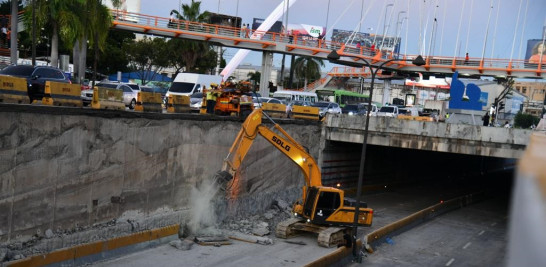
(36, 77)
(353, 109)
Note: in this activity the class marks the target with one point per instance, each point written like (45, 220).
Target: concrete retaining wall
(65, 168)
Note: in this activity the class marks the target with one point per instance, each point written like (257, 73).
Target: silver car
(196, 100)
(129, 95)
(327, 107)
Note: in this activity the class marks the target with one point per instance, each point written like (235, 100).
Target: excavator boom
(252, 127)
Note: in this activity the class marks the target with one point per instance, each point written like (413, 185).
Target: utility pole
(33, 32)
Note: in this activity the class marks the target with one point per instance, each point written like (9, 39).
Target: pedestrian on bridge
(485, 119)
(466, 58)
(247, 31)
(243, 31)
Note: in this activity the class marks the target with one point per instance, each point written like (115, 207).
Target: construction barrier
(305, 112)
(148, 102)
(13, 90)
(405, 117)
(275, 110)
(203, 109)
(424, 118)
(178, 104)
(62, 94)
(415, 118)
(107, 98)
(88, 253)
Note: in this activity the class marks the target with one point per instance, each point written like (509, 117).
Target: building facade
(535, 93)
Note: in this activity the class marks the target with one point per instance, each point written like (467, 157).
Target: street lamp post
(334, 57)
(398, 22)
(385, 19)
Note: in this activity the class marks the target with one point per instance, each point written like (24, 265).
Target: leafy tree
(147, 57)
(207, 62)
(254, 76)
(113, 58)
(525, 120)
(308, 68)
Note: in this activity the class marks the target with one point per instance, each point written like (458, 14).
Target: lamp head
(333, 55)
(418, 61)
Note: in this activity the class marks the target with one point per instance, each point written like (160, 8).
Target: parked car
(373, 109)
(353, 109)
(134, 86)
(388, 111)
(327, 107)
(129, 95)
(258, 101)
(86, 96)
(196, 101)
(36, 77)
(293, 103)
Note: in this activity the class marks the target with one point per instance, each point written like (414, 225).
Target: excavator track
(331, 237)
(285, 228)
(327, 236)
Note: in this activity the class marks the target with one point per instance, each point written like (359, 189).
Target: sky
(517, 21)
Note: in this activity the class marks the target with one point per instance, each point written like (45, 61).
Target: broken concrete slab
(250, 238)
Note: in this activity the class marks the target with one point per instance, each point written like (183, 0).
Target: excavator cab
(323, 205)
(320, 204)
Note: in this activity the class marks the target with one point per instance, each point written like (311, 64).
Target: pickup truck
(388, 111)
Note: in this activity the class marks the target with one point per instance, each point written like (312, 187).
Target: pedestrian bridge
(432, 136)
(285, 44)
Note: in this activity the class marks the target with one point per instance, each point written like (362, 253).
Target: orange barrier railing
(204, 31)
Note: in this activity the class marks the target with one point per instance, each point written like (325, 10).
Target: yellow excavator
(322, 210)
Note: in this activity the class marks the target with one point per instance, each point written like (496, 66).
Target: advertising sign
(535, 49)
(304, 31)
(277, 26)
(389, 43)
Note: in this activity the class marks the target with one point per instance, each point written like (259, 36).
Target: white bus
(289, 96)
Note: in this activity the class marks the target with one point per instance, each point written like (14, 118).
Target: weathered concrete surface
(432, 136)
(63, 168)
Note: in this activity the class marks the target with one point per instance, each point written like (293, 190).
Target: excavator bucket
(222, 178)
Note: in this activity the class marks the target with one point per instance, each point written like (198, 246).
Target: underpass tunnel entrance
(390, 167)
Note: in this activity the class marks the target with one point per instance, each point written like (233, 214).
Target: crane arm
(252, 127)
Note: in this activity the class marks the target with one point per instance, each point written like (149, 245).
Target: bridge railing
(298, 42)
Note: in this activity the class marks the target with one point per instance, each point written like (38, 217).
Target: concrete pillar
(386, 92)
(267, 65)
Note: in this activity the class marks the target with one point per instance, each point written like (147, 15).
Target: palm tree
(192, 12)
(57, 15)
(192, 50)
(308, 68)
(96, 20)
(254, 76)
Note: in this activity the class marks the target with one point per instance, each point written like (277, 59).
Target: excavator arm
(252, 127)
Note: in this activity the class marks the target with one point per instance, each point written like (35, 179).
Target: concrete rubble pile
(254, 229)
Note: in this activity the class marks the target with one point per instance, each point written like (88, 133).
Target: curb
(421, 216)
(340, 257)
(343, 255)
(100, 250)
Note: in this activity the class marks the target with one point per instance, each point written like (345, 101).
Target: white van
(189, 83)
(289, 96)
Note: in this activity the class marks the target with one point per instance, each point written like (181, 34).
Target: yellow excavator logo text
(280, 143)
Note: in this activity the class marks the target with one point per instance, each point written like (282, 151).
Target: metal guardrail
(320, 48)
